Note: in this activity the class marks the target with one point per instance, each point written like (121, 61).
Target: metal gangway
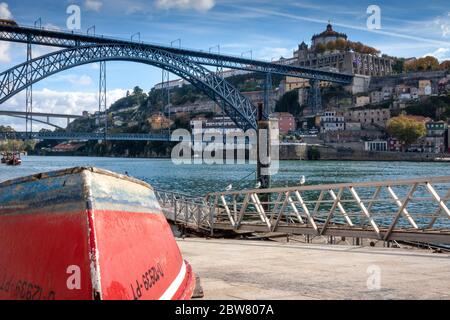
(414, 210)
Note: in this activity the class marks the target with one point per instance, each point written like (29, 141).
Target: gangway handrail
(442, 179)
(402, 210)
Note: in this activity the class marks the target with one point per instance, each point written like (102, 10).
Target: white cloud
(67, 102)
(5, 55)
(443, 23)
(94, 5)
(5, 13)
(83, 80)
(199, 5)
(269, 53)
(39, 51)
(441, 54)
(275, 13)
(51, 26)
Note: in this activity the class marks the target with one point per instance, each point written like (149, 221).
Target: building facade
(368, 116)
(324, 53)
(329, 121)
(436, 139)
(377, 145)
(286, 122)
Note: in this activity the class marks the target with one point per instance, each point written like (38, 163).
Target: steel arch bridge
(235, 105)
(48, 123)
(44, 37)
(35, 115)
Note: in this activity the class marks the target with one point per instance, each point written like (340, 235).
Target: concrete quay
(248, 270)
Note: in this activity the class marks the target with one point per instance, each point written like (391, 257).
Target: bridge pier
(315, 96)
(267, 91)
(29, 92)
(102, 106)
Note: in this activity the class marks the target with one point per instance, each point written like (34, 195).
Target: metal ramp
(404, 210)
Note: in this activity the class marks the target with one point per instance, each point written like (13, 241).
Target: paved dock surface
(234, 269)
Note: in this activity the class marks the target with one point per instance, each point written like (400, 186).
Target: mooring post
(263, 156)
(211, 220)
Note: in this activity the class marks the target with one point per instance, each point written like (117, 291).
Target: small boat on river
(87, 234)
(13, 159)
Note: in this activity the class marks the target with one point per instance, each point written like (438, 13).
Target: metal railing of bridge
(59, 38)
(86, 136)
(191, 211)
(404, 210)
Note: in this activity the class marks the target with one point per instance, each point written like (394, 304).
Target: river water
(200, 179)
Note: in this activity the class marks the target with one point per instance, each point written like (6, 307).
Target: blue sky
(269, 28)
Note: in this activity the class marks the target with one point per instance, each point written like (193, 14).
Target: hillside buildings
(357, 113)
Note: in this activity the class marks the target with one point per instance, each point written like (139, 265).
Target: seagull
(258, 185)
(302, 180)
(229, 188)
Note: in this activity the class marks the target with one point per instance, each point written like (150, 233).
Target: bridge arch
(48, 123)
(236, 106)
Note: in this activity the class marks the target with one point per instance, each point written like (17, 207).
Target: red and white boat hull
(86, 233)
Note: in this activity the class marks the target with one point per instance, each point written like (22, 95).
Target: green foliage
(182, 121)
(406, 130)
(398, 65)
(6, 129)
(313, 153)
(185, 94)
(335, 94)
(289, 103)
(253, 82)
(17, 145)
(436, 108)
(137, 98)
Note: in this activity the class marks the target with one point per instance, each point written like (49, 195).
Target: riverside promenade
(243, 270)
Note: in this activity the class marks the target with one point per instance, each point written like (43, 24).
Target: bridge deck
(231, 269)
(41, 36)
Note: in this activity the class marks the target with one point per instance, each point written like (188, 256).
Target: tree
(406, 130)
(137, 91)
(341, 44)
(423, 64)
(436, 108)
(331, 46)
(289, 103)
(320, 48)
(428, 64)
(399, 65)
(356, 46)
(6, 129)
